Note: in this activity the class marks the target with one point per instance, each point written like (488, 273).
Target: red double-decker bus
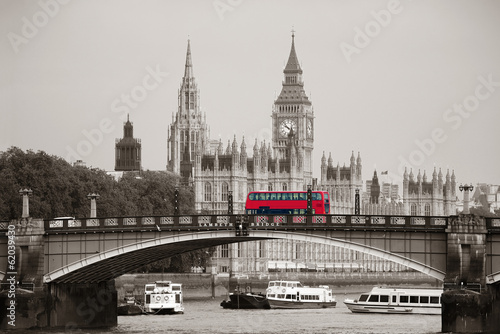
(286, 202)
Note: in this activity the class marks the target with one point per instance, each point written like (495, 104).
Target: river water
(207, 316)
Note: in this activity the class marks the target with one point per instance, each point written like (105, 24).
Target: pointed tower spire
(188, 71)
(293, 65)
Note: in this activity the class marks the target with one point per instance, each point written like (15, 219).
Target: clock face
(309, 128)
(286, 126)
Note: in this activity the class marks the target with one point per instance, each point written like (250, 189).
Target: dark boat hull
(246, 301)
(130, 309)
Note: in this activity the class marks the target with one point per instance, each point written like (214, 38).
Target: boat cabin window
(414, 299)
(363, 298)
(271, 295)
(424, 300)
(176, 288)
(309, 297)
(272, 283)
(149, 288)
(394, 298)
(435, 300)
(281, 295)
(403, 299)
(384, 299)
(373, 298)
(289, 297)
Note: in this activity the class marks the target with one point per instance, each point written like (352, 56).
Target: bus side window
(251, 197)
(295, 196)
(278, 196)
(302, 196)
(262, 196)
(268, 196)
(273, 196)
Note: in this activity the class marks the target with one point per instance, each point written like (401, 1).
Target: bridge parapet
(208, 222)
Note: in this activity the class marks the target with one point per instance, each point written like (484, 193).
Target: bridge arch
(117, 261)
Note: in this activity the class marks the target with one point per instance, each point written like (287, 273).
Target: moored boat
(163, 297)
(293, 295)
(245, 299)
(397, 300)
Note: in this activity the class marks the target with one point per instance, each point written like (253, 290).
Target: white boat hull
(358, 307)
(283, 304)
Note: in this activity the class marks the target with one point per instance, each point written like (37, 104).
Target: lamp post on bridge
(466, 190)
(356, 202)
(176, 201)
(309, 200)
(230, 203)
(26, 193)
(93, 206)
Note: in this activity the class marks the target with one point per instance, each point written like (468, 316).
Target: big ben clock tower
(293, 116)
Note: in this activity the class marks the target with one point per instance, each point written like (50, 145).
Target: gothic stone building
(285, 164)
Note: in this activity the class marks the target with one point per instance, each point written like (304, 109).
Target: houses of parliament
(215, 170)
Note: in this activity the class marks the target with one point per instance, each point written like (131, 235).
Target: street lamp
(466, 190)
(93, 206)
(309, 200)
(176, 201)
(356, 202)
(26, 193)
(230, 203)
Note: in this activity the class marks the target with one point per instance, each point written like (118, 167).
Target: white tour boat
(292, 294)
(397, 300)
(163, 297)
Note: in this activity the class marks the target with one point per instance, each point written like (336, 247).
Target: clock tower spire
(293, 111)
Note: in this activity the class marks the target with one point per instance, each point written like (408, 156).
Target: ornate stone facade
(435, 198)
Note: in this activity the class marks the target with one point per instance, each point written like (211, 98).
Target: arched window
(269, 186)
(224, 191)
(284, 187)
(208, 192)
(427, 209)
(413, 209)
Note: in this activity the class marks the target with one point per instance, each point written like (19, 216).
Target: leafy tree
(60, 189)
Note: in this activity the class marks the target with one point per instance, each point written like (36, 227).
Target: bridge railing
(228, 222)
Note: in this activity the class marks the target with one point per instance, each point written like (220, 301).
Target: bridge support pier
(467, 304)
(86, 305)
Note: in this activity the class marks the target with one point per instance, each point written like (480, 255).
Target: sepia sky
(405, 83)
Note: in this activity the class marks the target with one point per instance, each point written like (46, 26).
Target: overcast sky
(409, 83)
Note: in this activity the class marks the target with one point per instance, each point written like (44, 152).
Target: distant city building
(79, 163)
(486, 196)
(128, 150)
(381, 198)
(374, 189)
